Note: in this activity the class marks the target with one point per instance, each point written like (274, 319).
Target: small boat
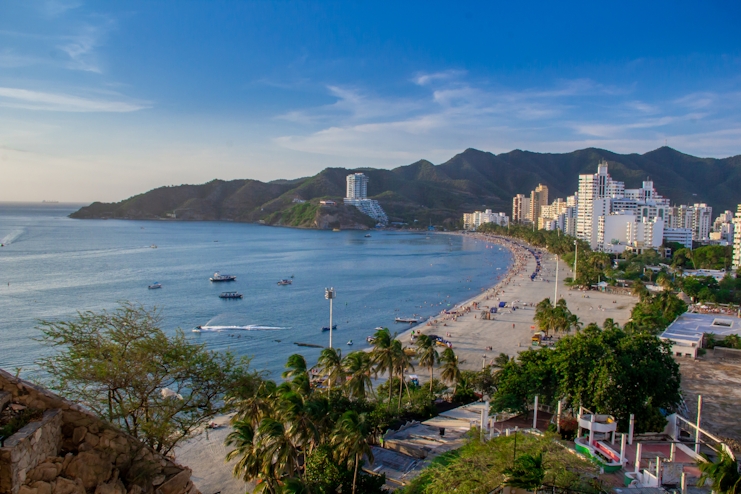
(230, 295)
(349, 343)
(152, 246)
(197, 330)
(155, 285)
(367, 235)
(285, 282)
(410, 320)
(335, 229)
(326, 328)
(222, 277)
(370, 339)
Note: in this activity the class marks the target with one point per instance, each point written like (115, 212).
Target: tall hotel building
(595, 192)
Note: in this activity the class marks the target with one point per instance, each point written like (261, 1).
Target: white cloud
(425, 79)
(36, 100)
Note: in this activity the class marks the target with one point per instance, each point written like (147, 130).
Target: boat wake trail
(251, 327)
(11, 237)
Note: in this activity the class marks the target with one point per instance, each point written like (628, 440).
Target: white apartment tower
(520, 208)
(595, 192)
(357, 186)
(737, 239)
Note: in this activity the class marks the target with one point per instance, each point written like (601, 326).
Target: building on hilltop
(357, 186)
(471, 221)
(357, 195)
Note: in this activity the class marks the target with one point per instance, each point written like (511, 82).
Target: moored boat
(230, 295)
(222, 277)
(326, 328)
(410, 320)
(155, 285)
(285, 282)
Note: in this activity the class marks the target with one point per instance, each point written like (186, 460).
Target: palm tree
(351, 440)
(732, 341)
(276, 451)
(358, 368)
(257, 406)
(544, 315)
(330, 364)
(450, 373)
(427, 354)
(610, 324)
(295, 485)
(242, 437)
(382, 355)
(296, 365)
(723, 474)
(527, 472)
(402, 362)
(297, 413)
(575, 323)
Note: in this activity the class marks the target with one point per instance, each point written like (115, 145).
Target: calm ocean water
(52, 266)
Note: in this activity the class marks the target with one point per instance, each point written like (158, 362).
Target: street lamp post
(330, 294)
(576, 257)
(483, 363)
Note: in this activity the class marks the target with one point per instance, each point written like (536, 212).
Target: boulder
(175, 484)
(42, 487)
(79, 434)
(45, 472)
(66, 486)
(90, 468)
(116, 487)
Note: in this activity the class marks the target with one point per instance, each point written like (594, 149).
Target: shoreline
(509, 330)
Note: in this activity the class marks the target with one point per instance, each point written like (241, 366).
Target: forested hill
(439, 193)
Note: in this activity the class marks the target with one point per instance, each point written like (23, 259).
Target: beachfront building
(520, 208)
(471, 221)
(623, 230)
(357, 195)
(595, 192)
(723, 228)
(679, 235)
(538, 200)
(697, 217)
(737, 239)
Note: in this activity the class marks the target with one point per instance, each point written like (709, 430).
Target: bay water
(52, 266)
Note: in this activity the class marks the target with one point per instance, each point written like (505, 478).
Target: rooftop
(690, 327)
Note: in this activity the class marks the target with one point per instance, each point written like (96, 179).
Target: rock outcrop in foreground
(67, 450)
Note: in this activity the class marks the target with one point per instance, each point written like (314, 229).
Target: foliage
(325, 476)
(654, 313)
(723, 474)
(705, 257)
(606, 370)
(479, 467)
(708, 289)
(527, 472)
(125, 369)
(18, 421)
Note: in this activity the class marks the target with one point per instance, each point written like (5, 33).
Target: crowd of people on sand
(515, 276)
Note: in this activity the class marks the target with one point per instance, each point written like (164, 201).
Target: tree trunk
(391, 379)
(401, 386)
(355, 475)
(431, 371)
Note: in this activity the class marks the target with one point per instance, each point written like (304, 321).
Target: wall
(72, 451)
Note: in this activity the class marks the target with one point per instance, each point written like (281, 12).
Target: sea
(52, 267)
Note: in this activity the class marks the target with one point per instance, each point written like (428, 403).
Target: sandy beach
(511, 331)
(508, 332)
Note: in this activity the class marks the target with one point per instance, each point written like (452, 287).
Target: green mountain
(439, 194)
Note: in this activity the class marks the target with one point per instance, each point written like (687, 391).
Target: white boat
(152, 246)
(285, 282)
(222, 277)
(196, 330)
(349, 343)
(367, 235)
(410, 320)
(155, 285)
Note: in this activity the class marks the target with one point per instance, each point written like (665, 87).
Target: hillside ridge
(423, 191)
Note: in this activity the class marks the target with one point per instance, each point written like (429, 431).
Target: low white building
(472, 221)
(687, 332)
(680, 235)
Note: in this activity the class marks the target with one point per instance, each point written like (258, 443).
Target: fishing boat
(326, 328)
(230, 295)
(222, 277)
(155, 285)
(285, 282)
(410, 320)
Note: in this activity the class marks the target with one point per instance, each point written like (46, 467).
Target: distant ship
(222, 277)
(285, 282)
(49, 202)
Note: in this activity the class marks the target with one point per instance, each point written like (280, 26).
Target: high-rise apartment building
(538, 200)
(357, 186)
(595, 193)
(520, 208)
(737, 239)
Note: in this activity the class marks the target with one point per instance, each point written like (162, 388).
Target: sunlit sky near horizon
(103, 100)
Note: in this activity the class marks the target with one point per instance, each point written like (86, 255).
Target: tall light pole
(555, 296)
(330, 294)
(576, 256)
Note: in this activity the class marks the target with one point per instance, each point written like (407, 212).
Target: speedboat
(155, 285)
(197, 330)
(349, 343)
(230, 295)
(222, 277)
(367, 235)
(326, 328)
(410, 320)
(285, 282)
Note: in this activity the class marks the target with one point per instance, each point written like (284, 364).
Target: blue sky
(102, 100)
